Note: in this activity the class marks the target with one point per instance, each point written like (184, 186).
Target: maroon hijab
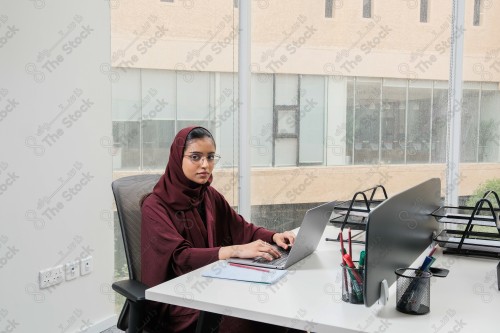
(174, 188)
(181, 196)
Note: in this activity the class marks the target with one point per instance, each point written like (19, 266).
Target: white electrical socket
(72, 270)
(51, 276)
(86, 265)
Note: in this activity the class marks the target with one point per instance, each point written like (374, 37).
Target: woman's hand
(258, 248)
(284, 239)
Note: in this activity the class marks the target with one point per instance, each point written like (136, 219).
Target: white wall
(39, 166)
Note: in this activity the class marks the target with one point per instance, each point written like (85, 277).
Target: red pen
(433, 250)
(249, 267)
(349, 262)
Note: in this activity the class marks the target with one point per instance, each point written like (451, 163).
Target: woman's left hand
(284, 239)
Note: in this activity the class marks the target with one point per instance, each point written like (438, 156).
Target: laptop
(306, 241)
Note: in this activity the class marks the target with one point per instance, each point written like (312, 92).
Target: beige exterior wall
(295, 37)
(321, 184)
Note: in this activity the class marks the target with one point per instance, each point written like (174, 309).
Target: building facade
(345, 94)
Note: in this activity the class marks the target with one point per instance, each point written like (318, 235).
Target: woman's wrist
(227, 252)
(272, 237)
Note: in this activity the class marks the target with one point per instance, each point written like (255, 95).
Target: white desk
(309, 297)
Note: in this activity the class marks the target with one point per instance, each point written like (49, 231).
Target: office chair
(128, 192)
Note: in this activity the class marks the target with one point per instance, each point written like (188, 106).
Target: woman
(187, 224)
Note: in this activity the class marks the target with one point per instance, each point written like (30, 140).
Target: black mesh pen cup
(413, 291)
(352, 284)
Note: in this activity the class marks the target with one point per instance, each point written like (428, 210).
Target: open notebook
(225, 270)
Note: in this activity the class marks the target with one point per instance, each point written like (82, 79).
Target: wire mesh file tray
(354, 213)
(462, 239)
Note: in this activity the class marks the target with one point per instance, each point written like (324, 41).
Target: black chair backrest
(128, 192)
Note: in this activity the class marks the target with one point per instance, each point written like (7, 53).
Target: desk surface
(309, 297)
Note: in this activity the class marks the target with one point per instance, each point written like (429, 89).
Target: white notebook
(237, 272)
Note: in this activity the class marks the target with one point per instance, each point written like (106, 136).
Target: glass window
(158, 135)
(329, 8)
(419, 121)
(126, 136)
(338, 118)
(489, 125)
(424, 10)
(470, 122)
(287, 121)
(393, 121)
(367, 8)
(225, 108)
(367, 121)
(286, 135)
(286, 151)
(158, 116)
(193, 96)
(311, 115)
(159, 94)
(286, 89)
(439, 121)
(126, 115)
(349, 129)
(261, 141)
(477, 12)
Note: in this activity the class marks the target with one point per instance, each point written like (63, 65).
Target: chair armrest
(133, 290)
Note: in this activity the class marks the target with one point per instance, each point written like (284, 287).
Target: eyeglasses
(198, 158)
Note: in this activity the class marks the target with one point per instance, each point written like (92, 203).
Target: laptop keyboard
(277, 261)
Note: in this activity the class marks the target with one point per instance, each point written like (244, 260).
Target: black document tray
(463, 240)
(354, 213)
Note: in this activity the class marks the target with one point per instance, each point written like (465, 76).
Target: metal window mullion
(244, 74)
(141, 148)
(275, 123)
(176, 102)
(355, 83)
(406, 121)
(216, 80)
(455, 103)
(325, 122)
(297, 122)
(431, 122)
(380, 108)
(478, 121)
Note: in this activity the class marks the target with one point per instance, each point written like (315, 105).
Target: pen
(350, 242)
(428, 261)
(362, 256)
(432, 251)
(349, 263)
(355, 286)
(342, 249)
(249, 267)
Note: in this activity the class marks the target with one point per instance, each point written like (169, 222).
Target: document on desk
(245, 273)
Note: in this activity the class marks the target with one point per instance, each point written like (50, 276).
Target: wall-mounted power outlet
(72, 269)
(51, 276)
(86, 265)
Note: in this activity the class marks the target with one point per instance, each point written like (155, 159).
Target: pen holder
(352, 284)
(413, 291)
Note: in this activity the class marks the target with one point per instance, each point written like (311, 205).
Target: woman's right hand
(257, 248)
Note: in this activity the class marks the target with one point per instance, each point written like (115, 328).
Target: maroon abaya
(175, 239)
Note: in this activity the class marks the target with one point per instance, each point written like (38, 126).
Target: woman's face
(196, 164)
